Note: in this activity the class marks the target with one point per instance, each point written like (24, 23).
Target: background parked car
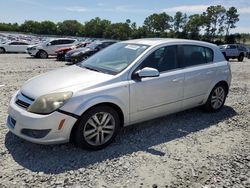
(45, 49)
(62, 51)
(15, 46)
(80, 54)
(233, 51)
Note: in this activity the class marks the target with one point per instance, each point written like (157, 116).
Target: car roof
(159, 41)
(62, 39)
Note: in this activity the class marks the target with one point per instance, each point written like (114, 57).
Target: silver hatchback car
(126, 83)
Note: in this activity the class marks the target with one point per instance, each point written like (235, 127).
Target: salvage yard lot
(187, 149)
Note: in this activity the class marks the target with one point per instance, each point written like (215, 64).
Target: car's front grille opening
(22, 104)
(23, 101)
(34, 133)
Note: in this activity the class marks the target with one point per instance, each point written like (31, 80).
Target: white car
(126, 83)
(14, 46)
(45, 49)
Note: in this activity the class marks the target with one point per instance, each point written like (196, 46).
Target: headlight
(49, 103)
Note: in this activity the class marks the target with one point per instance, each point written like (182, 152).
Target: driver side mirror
(147, 72)
(49, 44)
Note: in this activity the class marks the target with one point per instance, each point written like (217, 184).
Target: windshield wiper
(90, 68)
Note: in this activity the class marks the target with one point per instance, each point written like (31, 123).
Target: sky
(113, 10)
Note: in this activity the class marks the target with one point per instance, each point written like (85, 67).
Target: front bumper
(19, 120)
(32, 52)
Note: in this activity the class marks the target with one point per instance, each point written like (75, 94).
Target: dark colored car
(78, 55)
(62, 51)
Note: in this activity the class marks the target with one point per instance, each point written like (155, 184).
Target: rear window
(195, 55)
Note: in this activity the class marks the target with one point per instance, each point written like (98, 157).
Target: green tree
(179, 22)
(231, 19)
(70, 28)
(30, 26)
(120, 31)
(96, 27)
(214, 20)
(48, 27)
(158, 22)
(193, 26)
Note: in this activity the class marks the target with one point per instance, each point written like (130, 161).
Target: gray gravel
(187, 149)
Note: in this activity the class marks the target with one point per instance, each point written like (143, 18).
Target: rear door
(22, 47)
(12, 47)
(199, 71)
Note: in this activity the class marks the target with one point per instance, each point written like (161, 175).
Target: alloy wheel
(99, 128)
(218, 97)
(43, 54)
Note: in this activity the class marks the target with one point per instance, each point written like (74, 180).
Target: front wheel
(97, 128)
(42, 54)
(241, 57)
(216, 98)
(2, 50)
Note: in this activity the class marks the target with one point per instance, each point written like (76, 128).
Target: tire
(97, 128)
(241, 57)
(60, 57)
(216, 98)
(42, 54)
(2, 51)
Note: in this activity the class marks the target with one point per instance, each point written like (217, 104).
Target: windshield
(93, 45)
(115, 58)
(222, 46)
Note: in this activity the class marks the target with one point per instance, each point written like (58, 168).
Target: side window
(54, 42)
(209, 55)
(163, 59)
(232, 46)
(13, 43)
(192, 55)
(22, 43)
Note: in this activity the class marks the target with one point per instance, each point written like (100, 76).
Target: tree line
(212, 25)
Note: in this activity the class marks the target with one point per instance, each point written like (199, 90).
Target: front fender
(104, 99)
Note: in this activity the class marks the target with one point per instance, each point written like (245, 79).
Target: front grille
(22, 104)
(23, 101)
(33, 133)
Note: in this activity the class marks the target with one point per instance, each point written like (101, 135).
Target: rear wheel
(97, 128)
(216, 98)
(42, 54)
(241, 57)
(2, 50)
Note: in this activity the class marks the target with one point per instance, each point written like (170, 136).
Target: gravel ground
(187, 149)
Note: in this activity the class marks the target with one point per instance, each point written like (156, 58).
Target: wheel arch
(221, 82)
(3, 49)
(110, 104)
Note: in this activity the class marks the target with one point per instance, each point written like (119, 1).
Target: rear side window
(195, 55)
(209, 55)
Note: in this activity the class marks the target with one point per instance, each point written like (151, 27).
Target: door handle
(177, 80)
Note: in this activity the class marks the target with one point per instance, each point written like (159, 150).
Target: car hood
(63, 80)
(69, 53)
(65, 49)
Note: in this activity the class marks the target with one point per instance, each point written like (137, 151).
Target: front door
(157, 96)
